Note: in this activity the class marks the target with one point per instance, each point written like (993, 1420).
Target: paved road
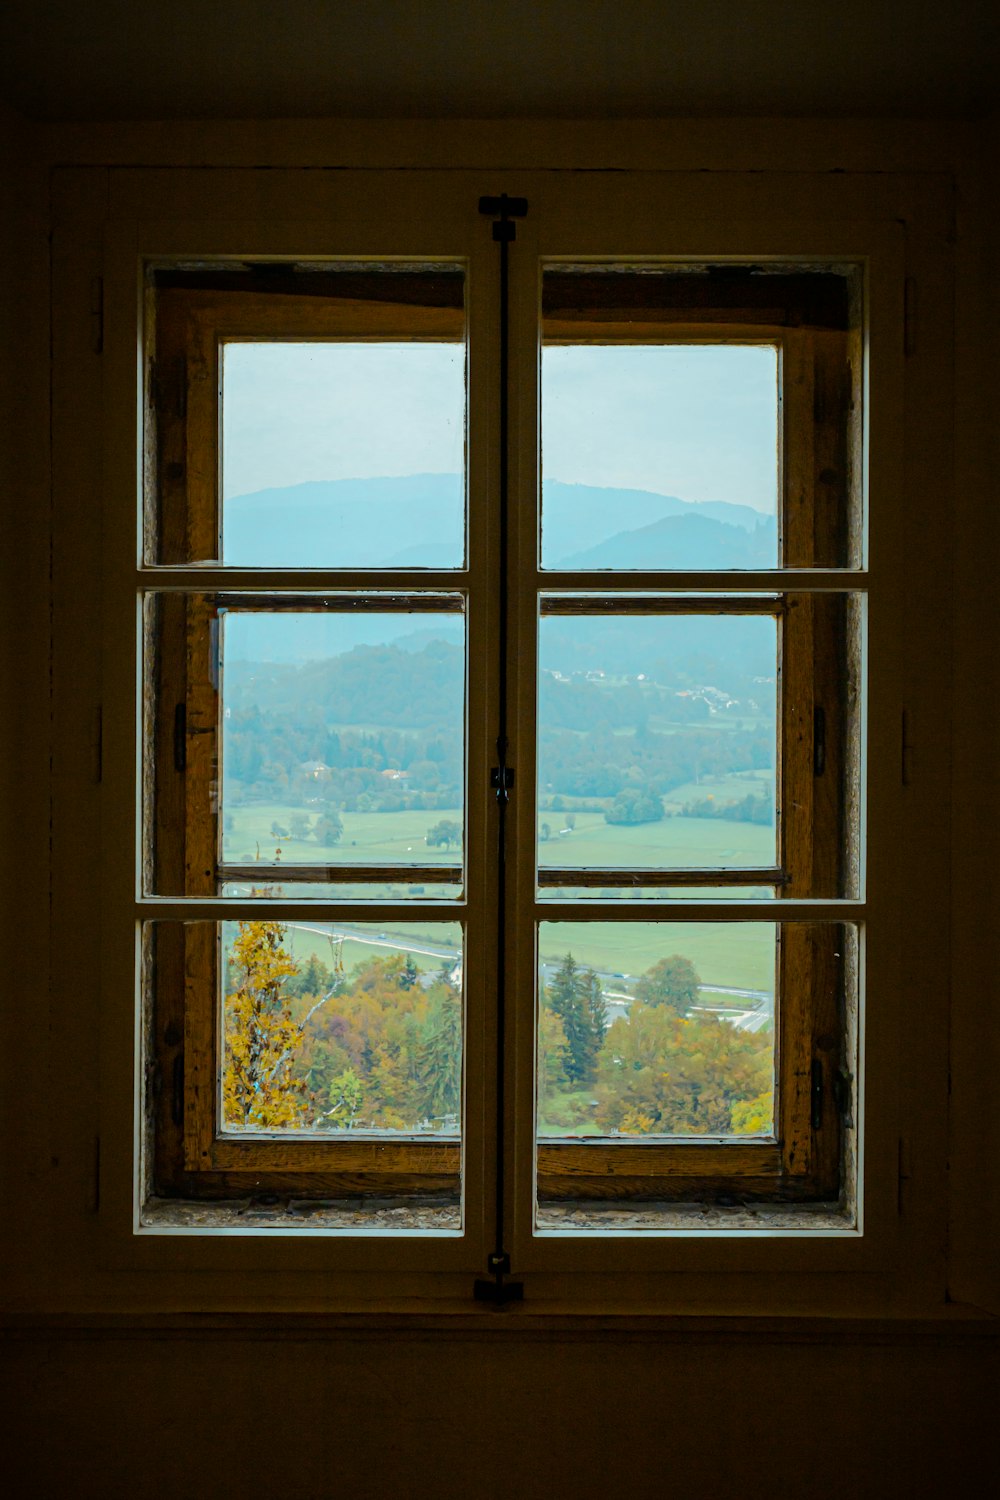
(752, 1019)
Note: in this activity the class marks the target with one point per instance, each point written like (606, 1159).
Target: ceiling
(257, 59)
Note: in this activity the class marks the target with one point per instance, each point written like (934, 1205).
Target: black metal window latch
(502, 781)
(504, 208)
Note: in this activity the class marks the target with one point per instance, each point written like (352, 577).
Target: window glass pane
(308, 746)
(659, 456)
(343, 455)
(341, 1029)
(308, 417)
(303, 1075)
(656, 1030)
(657, 742)
(343, 738)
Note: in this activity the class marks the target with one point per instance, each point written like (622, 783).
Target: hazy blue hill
(726, 651)
(368, 685)
(412, 520)
(415, 521)
(686, 540)
(578, 517)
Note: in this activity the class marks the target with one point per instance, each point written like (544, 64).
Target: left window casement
(319, 857)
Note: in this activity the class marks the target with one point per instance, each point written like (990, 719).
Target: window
(502, 856)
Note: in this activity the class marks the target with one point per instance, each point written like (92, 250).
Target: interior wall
(103, 1405)
(494, 1417)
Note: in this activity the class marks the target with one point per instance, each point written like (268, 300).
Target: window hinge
(843, 1094)
(98, 744)
(819, 739)
(97, 315)
(154, 1078)
(905, 748)
(902, 1172)
(909, 317)
(180, 738)
(816, 1095)
(95, 1197)
(177, 1090)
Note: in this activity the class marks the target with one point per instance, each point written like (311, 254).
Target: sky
(695, 421)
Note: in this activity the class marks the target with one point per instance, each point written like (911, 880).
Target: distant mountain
(411, 520)
(386, 685)
(684, 541)
(579, 517)
(416, 521)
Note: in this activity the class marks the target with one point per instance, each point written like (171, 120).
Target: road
(756, 1015)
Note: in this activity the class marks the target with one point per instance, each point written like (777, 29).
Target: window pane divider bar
(723, 910)
(283, 909)
(343, 874)
(722, 584)
(214, 578)
(660, 604)
(563, 875)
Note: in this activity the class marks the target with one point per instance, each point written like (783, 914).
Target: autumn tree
(659, 1073)
(260, 1036)
(672, 982)
(553, 1056)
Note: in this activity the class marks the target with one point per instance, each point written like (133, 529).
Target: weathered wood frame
(813, 321)
(802, 1162)
(188, 320)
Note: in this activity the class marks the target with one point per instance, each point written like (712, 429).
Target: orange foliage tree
(260, 1036)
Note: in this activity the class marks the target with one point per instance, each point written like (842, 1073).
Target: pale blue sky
(696, 421)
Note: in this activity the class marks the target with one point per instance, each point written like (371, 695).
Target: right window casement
(660, 611)
(707, 731)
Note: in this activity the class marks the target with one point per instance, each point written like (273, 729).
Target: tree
(575, 996)
(635, 804)
(445, 833)
(278, 831)
(409, 974)
(672, 982)
(328, 830)
(299, 824)
(347, 1095)
(260, 1038)
(439, 1057)
(553, 1056)
(661, 1074)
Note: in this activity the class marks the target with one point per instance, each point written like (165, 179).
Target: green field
(674, 841)
(740, 955)
(399, 837)
(368, 838)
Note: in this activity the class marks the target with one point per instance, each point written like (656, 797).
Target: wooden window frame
(186, 326)
(816, 856)
(814, 321)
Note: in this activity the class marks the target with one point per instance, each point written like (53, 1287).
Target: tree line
(658, 1070)
(308, 1047)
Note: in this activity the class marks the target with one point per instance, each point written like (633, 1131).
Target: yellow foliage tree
(260, 1035)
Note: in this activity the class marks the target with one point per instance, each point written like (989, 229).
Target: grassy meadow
(738, 955)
